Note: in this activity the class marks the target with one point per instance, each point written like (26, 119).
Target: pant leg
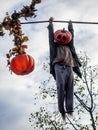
(61, 79)
(69, 91)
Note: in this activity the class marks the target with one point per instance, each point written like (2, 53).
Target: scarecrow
(63, 61)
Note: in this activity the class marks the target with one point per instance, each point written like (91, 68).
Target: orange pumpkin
(62, 37)
(22, 64)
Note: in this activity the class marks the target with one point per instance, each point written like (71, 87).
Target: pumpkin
(62, 37)
(22, 64)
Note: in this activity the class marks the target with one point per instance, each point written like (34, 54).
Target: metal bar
(58, 21)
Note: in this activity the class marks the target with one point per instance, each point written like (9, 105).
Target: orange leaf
(25, 39)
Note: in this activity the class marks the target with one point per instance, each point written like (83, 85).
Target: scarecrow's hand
(70, 22)
(70, 25)
(51, 20)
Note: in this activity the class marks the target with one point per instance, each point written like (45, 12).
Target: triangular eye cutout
(64, 38)
(59, 37)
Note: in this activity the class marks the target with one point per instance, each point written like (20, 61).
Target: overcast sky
(17, 92)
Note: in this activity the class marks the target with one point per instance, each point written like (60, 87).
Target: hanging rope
(58, 21)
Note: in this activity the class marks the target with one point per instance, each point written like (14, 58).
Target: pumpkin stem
(63, 30)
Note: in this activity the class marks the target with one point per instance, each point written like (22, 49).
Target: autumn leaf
(24, 46)
(1, 27)
(15, 49)
(25, 39)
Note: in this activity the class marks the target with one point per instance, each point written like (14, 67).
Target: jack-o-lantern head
(62, 37)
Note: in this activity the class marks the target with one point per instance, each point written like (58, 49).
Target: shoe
(70, 113)
(64, 116)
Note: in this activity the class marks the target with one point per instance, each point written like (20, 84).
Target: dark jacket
(53, 50)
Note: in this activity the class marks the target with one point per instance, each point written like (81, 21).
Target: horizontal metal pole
(58, 21)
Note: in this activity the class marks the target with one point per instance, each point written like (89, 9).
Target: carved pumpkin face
(62, 37)
(22, 64)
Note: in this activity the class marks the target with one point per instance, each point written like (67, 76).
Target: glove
(70, 25)
(51, 20)
(70, 22)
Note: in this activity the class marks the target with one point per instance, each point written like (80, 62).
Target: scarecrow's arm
(74, 54)
(70, 28)
(51, 31)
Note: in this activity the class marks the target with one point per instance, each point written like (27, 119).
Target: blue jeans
(64, 81)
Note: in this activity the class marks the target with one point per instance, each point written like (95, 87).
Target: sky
(17, 92)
